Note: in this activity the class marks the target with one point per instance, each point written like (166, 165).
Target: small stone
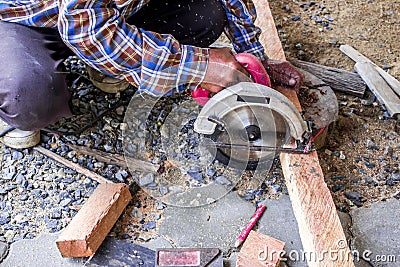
(149, 225)
(119, 177)
(163, 191)
(210, 172)
(337, 187)
(19, 178)
(146, 180)
(370, 144)
(4, 219)
(160, 205)
(353, 195)
(248, 196)
(366, 102)
(56, 214)
(136, 213)
(396, 177)
(24, 197)
(9, 234)
(99, 165)
(65, 202)
(3, 250)
(108, 148)
(19, 218)
(196, 176)
(296, 18)
(17, 155)
(390, 182)
(71, 154)
(144, 237)
(222, 180)
(120, 110)
(328, 152)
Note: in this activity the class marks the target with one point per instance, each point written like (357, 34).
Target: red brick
(87, 230)
(260, 251)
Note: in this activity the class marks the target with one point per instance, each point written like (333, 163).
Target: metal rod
(259, 148)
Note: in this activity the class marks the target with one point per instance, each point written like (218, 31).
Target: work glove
(283, 73)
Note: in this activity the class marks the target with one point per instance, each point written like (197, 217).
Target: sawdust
(141, 210)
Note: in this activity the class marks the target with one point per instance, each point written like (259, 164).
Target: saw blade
(251, 126)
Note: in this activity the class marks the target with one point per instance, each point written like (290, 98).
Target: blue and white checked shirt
(156, 63)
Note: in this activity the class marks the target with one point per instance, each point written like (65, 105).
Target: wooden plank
(87, 230)
(339, 80)
(379, 87)
(319, 225)
(358, 57)
(116, 159)
(98, 178)
(260, 250)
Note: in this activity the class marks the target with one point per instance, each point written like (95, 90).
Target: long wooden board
(379, 87)
(315, 211)
(358, 57)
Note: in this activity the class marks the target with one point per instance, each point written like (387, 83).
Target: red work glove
(283, 73)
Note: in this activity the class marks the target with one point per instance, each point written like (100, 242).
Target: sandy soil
(361, 157)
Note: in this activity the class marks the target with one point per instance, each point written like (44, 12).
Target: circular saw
(246, 124)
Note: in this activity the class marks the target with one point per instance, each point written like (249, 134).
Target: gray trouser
(33, 92)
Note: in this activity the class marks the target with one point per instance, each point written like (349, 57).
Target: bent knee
(32, 103)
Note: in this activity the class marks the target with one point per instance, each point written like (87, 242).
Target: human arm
(244, 35)
(156, 63)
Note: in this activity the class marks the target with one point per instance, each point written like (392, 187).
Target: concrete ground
(373, 233)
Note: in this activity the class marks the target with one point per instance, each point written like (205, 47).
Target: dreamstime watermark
(341, 254)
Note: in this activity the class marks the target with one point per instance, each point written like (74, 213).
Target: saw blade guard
(250, 95)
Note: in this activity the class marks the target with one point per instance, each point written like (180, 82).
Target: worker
(161, 47)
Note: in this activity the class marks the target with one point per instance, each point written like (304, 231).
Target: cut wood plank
(116, 159)
(339, 80)
(319, 225)
(379, 87)
(90, 226)
(358, 57)
(260, 250)
(72, 165)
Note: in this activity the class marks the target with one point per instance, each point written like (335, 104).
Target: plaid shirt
(156, 63)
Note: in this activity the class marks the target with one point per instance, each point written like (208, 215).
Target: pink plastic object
(251, 64)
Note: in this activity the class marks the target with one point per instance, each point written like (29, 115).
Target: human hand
(284, 73)
(223, 71)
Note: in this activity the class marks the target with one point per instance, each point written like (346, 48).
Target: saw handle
(251, 64)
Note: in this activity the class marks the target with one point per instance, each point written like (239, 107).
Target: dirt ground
(361, 157)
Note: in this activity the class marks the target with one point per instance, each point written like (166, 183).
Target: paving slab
(3, 251)
(278, 221)
(158, 242)
(38, 252)
(377, 230)
(117, 253)
(214, 225)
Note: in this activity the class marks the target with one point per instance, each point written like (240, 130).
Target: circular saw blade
(250, 126)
